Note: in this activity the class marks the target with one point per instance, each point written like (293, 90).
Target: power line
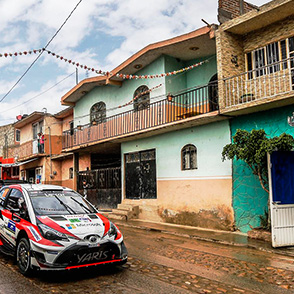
(39, 94)
(32, 64)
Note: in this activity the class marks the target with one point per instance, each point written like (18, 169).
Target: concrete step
(125, 206)
(150, 212)
(117, 216)
(105, 213)
(122, 211)
(125, 212)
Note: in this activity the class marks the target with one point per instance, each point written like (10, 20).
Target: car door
(3, 195)
(11, 215)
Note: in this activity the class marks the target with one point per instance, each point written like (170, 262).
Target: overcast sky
(99, 34)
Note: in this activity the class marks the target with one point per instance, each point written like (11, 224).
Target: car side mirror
(16, 218)
(14, 210)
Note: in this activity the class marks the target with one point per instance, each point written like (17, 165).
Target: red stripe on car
(52, 224)
(106, 223)
(92, 264)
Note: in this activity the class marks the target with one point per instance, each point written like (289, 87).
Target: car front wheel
(23, 257)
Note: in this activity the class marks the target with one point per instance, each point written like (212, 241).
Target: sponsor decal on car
(85, 219)
(35, 233)
(11, 226)
(74, 220)
(92, 257)
(71, 226)
(87, 225)
(79, 219)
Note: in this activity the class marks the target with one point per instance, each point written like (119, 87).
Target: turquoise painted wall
(198, 76)
(249, 199)
(177, 82)
(208, 139)
(114, 96)
(201, 75)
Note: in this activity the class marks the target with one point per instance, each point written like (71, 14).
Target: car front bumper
(79, 256)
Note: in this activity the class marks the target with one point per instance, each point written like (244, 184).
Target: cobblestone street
(166, 263)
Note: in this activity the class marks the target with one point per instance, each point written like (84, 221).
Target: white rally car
(51, 227)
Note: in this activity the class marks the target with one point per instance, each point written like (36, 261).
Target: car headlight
(112, 231)
(51, 234)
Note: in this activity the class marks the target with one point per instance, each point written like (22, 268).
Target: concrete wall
(177, 82)
(201, 75)
(84, 162)
(249, 199)
(200, 197)
(66, 164)
(272, 33)
(26, 133)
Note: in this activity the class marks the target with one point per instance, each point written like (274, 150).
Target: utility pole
(77, 76)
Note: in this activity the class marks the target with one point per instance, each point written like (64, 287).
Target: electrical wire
(39, 94)
(36, 59)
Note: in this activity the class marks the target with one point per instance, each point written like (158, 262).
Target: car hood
(77, 225)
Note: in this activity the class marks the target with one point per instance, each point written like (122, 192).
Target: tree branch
(261, 181)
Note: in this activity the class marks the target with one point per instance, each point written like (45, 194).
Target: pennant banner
(101, 72)
(139, 95)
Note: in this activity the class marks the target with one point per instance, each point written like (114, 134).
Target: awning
(17, 163)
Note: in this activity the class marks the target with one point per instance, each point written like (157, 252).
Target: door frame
(282, 215)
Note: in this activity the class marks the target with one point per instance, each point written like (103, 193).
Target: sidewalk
(221, 237)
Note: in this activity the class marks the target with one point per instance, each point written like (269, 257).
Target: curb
(211, 240)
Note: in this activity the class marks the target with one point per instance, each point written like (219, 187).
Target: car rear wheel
(23, 257)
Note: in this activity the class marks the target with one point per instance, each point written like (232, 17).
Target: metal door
(281, 184)
(140, 171)
(104, 186)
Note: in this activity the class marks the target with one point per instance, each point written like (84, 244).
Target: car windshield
(59, 203)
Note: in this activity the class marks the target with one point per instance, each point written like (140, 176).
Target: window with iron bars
(189, 157)
(265, 60)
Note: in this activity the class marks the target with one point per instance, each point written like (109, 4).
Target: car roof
(40, 187)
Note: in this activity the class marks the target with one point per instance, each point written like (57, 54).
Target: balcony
(28, 149)
(174, 108)
(258, 86)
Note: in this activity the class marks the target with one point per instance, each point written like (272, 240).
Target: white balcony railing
(265, 82)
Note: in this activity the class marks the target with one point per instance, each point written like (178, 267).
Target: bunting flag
(21, 53)
(101, 72)
(139, 95)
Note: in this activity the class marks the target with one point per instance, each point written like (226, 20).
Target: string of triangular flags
(139, 95)
(101, 72)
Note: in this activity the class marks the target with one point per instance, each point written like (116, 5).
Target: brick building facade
(7, 139)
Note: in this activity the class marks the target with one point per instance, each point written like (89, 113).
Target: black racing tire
(23, 256)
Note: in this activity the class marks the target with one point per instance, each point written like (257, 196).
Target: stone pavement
(216, 236)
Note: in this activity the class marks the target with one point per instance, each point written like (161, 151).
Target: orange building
(39, 153)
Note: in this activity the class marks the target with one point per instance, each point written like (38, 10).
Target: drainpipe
(50, 152)
(241, 7)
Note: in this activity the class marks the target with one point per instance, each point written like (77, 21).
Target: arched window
(98, 113)
(142, 96)
(189, 157)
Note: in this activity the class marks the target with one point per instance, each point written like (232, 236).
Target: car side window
(3, 195)
(16, 201)
(13, 198)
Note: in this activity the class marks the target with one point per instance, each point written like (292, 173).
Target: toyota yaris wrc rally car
(51, 227)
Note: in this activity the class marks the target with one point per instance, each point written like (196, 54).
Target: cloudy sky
(99, 34)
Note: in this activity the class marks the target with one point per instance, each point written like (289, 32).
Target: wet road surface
(164, 263)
